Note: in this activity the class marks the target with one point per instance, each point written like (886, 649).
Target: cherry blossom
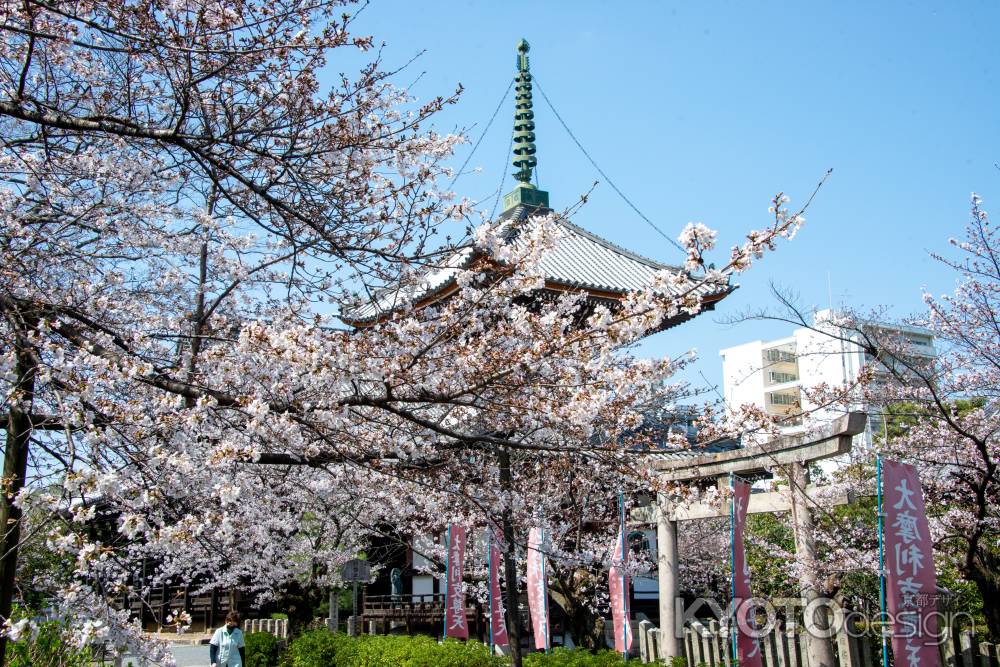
(188, 217)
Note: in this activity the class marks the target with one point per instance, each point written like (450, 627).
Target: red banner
(498, 628)
(911, 585)
(538, 593)
(747, 647)
(618, 583)
(455, 624)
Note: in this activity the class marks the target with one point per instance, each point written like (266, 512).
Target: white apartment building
(772, 374)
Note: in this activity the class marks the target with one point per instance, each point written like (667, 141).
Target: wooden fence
(709, 644)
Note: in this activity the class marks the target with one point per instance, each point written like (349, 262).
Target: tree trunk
(987, 581)
(585, 627)
(300, 601)
(15, 467)
(512, 612)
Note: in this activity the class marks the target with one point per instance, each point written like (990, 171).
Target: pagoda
(578, 261)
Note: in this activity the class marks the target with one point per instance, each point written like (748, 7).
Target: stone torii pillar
(668, 575)
(792, 454)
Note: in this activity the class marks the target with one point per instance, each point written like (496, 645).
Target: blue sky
(702, 111)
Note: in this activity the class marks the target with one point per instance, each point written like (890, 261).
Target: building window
(784, 399)
(638, 542)
(777, 377)
(779, 356)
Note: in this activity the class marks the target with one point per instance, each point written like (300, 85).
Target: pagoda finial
(525, 193)
(524, 125)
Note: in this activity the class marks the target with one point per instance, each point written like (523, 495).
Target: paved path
(186, 656)
(191, 656)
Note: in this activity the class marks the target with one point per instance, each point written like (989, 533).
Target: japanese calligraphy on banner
(538, 593)
(455, 624)
(618, 583)
(911, 584)
(747, 647)
(498, 628)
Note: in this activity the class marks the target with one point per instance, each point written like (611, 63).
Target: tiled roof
(434, 282)
(578, 260)
(694, 451)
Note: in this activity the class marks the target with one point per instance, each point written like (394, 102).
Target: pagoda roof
(578, 261)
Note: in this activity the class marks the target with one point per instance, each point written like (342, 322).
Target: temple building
(605, 273)
(578, 261)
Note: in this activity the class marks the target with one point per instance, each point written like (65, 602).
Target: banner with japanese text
(747, 647)
(911, 583)
(455, 623)
(538, 593)
(498, 627)
(618, 584)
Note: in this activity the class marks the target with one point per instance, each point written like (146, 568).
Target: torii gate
(793, 453)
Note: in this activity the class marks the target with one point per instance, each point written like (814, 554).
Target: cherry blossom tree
(953, 439)
(938, 413)
(186, 212)
(170, 174)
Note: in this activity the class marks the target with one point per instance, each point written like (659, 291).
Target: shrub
(263, 649)
(564, 657)
(316, 648)
(322, 648)
(47, 648)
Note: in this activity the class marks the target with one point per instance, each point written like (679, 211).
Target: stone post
(819, 649)
(333, 617)
(668, 573)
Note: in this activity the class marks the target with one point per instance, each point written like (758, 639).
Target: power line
(461, 169)
(601, 171)
(503, 178)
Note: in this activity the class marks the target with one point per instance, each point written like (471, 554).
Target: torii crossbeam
(793, 454)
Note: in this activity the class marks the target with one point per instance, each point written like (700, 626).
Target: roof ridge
(521, 213)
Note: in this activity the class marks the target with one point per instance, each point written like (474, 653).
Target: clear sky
(700, 111)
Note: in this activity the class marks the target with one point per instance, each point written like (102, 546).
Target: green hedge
(563, 657)
(263, 649)
(313, 649)
(321, 648)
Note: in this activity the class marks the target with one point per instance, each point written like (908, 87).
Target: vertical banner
(911, 591)
(455, 624)
(498, 627)
(538, 593)
(746, 645)
(618, 584)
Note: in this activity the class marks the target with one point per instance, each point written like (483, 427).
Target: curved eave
(593, 293)
(708, 303)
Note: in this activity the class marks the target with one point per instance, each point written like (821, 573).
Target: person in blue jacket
(226, 649)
